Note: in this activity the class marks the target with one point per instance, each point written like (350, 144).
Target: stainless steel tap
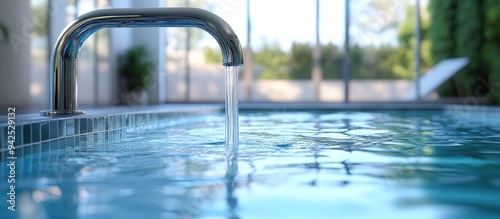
(63, 66)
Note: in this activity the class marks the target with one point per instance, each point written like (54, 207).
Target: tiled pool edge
(60, 133)
(46, 133)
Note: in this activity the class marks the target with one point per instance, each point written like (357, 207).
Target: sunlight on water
(288, 164)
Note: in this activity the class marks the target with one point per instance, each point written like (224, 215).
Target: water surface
(316, 164)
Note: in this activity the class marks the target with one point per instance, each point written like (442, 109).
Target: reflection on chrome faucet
(63, 75)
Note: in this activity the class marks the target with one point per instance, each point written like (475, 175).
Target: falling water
(231, 111)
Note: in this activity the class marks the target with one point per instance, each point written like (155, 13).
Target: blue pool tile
(95, 128)
(62, 128)
(54, 145)
(107, 136)
(127, 120)
(77, 141)
(100, 137)
(77, 126)
(19, 135)
(27, 150)
(83, 140)
(27, 134)
(71, 142)
(116, 135)
(100, 124)
(45, 146)
(119, 119)
(140, 119)
(62, 144)
(35, 132)
(19, 151)
(131, 117)
(113, 122)
(52, 158)
(83, 126)
(3, 138)
(45, 130)
(90, 125)
(61, 155)
(70, 127)
(106, 123)
(36, 148)
(54, 131)
(91, 138)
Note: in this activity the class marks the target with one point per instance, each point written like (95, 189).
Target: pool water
(290, 164)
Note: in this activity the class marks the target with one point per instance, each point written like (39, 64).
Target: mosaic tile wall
(33, 137)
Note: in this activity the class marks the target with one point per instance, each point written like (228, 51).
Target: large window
(39, 52)
(295, 51)
(285, 45)
(95, 81)
(94, 76)
(194, 64)
(381, 52)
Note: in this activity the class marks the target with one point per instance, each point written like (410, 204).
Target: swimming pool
(291, 164)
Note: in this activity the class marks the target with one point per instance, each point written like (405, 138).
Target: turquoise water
(316, 164)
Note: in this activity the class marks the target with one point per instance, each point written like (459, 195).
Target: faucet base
(58, 113)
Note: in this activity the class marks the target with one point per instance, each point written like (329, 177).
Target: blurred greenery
(39, 18)
(492, 47)
(468, 28)
(212, 55)
(300, 61)
(451, 28)
(367, 61)
(442, 31)
(331, 60)
(274, 60)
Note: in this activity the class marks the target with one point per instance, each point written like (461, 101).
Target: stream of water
(231, 104)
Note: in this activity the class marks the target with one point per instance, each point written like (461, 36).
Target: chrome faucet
(63, 66)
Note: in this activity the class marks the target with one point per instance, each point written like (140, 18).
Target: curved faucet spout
(63, 66)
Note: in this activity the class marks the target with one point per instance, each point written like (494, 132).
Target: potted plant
(4, 32)
(134, 69)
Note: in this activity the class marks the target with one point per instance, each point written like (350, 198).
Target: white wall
(207, 85)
